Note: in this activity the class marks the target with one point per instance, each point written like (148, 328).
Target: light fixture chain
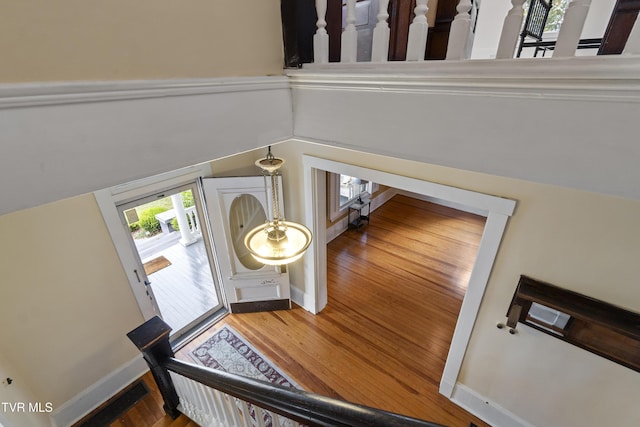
(275, 194)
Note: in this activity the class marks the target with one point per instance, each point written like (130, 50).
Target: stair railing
(460, 33)
(214, 397)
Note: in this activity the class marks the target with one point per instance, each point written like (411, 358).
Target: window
(342, 190)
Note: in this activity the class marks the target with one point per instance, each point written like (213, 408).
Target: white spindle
(633, 42)
(260, 413)
(321, 38)
(380, 44)
(571, 28)
(418, 30)
(231, 406)
(349, 41)
(209, 407)
(206, 414)
(511, 30)
(223, 407)
(459, 33)
(244, 410)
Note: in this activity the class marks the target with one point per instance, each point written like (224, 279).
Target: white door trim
(109, 198)
(496, 209)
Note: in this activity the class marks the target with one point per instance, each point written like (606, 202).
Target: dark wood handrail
(152, 339)
(299, 405)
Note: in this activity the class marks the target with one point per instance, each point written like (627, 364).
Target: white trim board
(497, 210)
(39, 94)
(95, 395)
(485, 409)
(614, 78)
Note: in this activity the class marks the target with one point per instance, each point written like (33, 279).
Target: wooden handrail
(152, 339)
(299, 405)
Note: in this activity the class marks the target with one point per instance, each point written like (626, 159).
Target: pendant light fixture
(278, 241)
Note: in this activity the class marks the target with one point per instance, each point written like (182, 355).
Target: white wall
(62, 140)
(563, 122)
(17, 391)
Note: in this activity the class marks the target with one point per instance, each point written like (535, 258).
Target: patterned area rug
(227, 350)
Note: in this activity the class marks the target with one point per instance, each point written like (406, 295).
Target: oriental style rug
(228, 351)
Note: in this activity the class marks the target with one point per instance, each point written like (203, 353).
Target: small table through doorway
(358, 206)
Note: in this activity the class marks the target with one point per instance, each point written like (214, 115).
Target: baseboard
(445, 203)
(297, 295)
(83, 403)
(342, 225)
(485, 409)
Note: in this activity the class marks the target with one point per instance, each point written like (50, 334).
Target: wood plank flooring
(395, 290)
(184, 290)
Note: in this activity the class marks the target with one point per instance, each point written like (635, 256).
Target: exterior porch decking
(185, 289)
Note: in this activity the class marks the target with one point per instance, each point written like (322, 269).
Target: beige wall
(144, 39)
(65, 303)
(65, 298)
(578, 240)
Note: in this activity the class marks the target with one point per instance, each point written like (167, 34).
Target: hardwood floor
(395, 290)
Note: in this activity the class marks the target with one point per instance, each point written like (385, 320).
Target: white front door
(235, 206)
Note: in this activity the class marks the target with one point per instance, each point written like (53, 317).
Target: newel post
(152, 339)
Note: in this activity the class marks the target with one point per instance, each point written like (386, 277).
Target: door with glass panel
(174, 256)
(235, 206)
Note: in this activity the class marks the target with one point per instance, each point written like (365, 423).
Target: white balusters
(459, 33)
(210, 407)
(633, 42)
(571, 28)
(511, 30)
(418, 30)
(349, 41)
(321, 38)
(380, 45)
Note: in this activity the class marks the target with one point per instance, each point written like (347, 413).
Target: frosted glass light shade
(278, 242)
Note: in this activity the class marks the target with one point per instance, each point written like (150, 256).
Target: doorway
(170, 244)
(497, 210)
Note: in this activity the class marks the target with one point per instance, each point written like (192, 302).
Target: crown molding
(54, 93)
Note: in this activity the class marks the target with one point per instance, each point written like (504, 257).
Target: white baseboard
(341, 226)
(446, 203)
(297, 295)
(98, 393)
(485, 409)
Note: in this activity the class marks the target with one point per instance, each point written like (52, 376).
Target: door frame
(497, 210)
(108, 199)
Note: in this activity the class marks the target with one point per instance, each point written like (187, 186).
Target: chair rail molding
(614, 78)
(54, 93)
